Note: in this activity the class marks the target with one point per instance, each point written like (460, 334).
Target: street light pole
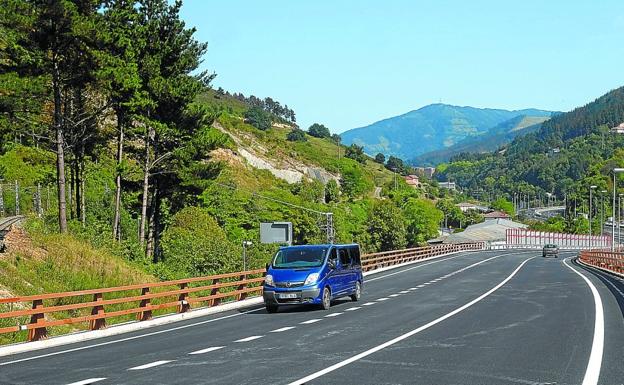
(620, 218)
(591, 188)
(615, 172)
(602, 212)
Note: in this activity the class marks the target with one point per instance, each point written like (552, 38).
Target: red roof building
(497, 215)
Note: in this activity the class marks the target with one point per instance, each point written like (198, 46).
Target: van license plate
(287, 296)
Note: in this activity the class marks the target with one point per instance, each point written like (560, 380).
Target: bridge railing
(36, 313)
(390, 258)
(605, 260)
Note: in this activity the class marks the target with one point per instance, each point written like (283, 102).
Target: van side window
(355, 255)
(345, 260)
(333, 256)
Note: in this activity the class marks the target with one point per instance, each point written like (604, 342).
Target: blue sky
(348, 63)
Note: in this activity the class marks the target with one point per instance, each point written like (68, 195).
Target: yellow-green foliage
(48, 263)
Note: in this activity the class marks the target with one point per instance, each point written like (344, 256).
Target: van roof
(323, 245)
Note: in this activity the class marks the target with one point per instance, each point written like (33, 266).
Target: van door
(334, 277)
(345, 270)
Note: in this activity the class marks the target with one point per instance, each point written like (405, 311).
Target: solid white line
(383, 299)
(592, 373)
(353, 308)
(310, 321)
(88, 381)
(333, 315)
(207, 350)
(282, 329)
(408, 334)
(368, 303)
(129, 338)
(247, 339)
(150, 365)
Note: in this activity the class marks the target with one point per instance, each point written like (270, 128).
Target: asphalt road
(497, 317)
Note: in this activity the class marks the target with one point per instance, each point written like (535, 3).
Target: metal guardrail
(605, 260)
(56, 309)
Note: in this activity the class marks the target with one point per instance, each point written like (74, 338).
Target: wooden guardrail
(602, 259)
(389, 258)
(95, 306)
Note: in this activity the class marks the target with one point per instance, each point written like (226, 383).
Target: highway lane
(521, 332)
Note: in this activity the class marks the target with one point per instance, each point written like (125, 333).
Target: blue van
(313, 274)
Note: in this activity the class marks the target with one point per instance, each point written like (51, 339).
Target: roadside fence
(605, 260)
(34, 314)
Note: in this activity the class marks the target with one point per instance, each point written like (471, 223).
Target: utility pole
(591, 188)
(1, 200)
(330, 234)
(17, 202)
(602, 220)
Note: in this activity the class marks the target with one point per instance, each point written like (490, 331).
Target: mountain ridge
(429, 128)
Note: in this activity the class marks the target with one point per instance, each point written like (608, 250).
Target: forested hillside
(116, 140)
(430, 128)
(569, 153)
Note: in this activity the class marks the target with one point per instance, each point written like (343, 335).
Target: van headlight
(312, 278)
(268, 280)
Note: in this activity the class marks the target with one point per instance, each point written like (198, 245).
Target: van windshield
(299, 257)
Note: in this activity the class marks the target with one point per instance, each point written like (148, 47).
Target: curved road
(496, 317)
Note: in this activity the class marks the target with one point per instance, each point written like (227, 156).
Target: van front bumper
(272, 295)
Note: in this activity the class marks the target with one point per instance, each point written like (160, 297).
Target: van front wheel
(358, 292)
(271, 308)
(326, 300)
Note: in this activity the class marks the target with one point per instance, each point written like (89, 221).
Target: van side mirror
(267, 266)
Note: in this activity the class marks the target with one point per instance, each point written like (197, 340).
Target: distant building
(467, 206)
(426, 171)
(447, 185)
(496, 215)
(619, 129)
(554, 151)
(412, 180)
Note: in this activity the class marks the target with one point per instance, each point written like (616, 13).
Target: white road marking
(88, 381)
(150, 365)
(461, 254)
(592, 373)
(310, 321)
(368, 303)
(394, 295)
(247, 339)
(130, 338)
(383, 299)
(333, 315)
(282, 329)
(408, 334)
(421, 286)
(404, 292)
(426, 283)
(413, 288)
(353, 308)
(207, 350)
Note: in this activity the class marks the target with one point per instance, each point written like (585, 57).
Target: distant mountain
(429, 128)
(489, 141)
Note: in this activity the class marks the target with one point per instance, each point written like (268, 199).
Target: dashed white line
(394, 295)
(333, 315)
(150, 365)
(310, 321)
(592, 373)
(207, 350)
(404, 292)
(368, 303)
(88, 381)
(402, 337)
(413, 288)
(421, 286)
(249, 339)
(383, 299)
(353, 308)
(282, 329)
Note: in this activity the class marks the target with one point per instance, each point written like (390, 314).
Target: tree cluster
(267, 104)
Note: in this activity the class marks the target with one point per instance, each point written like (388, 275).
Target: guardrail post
(242, 286)
(214, 291)
(98, 323)
(41, 332)
(183, 298)
(145, 314)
